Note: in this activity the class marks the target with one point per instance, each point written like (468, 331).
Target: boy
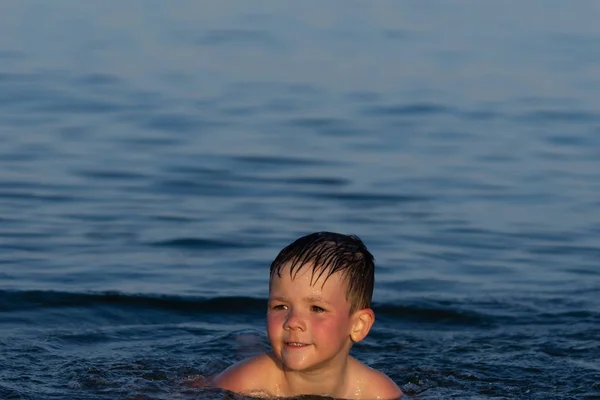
(320, 293)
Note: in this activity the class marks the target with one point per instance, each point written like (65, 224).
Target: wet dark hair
(329, 253)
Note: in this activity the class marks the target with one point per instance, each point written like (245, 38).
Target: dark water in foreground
(155, 157)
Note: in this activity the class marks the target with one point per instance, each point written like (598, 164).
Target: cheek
(325, 326)
(274, 324)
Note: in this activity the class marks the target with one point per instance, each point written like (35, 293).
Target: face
(309, 325)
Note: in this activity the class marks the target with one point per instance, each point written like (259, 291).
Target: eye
(317, 309)
(279, 307)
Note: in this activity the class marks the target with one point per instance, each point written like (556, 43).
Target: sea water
(156, 156)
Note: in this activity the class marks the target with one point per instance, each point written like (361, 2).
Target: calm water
(155, 157)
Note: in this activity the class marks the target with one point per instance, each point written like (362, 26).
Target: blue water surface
(156, 156)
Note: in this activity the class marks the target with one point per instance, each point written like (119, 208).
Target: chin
(298, 367)
(291, 363)
(307, 365)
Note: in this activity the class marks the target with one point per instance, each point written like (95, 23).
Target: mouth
(295, 345)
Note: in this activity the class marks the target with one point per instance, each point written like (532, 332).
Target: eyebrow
(309, 299)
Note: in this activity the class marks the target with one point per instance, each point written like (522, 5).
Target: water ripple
(410, 110)
(200, 244)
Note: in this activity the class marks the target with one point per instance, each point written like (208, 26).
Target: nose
(294, 321)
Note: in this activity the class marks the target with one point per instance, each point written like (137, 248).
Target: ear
(362, 320)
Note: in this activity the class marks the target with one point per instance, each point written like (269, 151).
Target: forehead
(308, 277)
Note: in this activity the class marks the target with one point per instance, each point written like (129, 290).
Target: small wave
(571, 141)
(559, 116)
(375, 199)
(38, 197)
(174, 123)
(279, 161)
(98, 79)
(415, 109)
(554, 249)
(432, 314)
(10, 393)
(316, 181)
(199, 244)
(110, 174)
(39, 299)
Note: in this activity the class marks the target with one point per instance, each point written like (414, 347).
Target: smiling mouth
(295, 345)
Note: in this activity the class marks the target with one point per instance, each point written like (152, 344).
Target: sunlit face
(308, 324)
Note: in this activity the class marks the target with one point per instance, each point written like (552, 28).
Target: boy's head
(328, 253)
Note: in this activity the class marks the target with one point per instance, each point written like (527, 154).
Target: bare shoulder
(383, 387)
(245, 376)
(377, 385)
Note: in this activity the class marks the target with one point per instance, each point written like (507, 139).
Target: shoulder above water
(242, 377)
(375, 384)
(258, 377)
(384, 388)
